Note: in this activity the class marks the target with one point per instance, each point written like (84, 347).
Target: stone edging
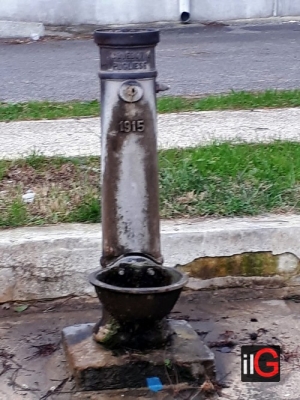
(53, 262)
(20, 29)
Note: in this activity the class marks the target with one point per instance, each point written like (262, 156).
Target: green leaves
(21, 308)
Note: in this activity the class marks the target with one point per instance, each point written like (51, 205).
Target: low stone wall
(103, 12)
(53, 262)
(16, 29)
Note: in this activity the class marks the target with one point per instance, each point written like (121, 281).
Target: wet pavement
(33, 366)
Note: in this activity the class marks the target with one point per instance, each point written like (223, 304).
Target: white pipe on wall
(184, 11)
(275, 9)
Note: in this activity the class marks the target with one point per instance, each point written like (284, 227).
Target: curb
(165, 26)
(17, 29)
(53, 262)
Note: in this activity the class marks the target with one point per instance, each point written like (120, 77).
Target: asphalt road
(197, 60)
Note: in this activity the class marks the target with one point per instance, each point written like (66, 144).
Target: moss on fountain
(108, 334)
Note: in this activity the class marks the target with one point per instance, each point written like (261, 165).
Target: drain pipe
(184, 11)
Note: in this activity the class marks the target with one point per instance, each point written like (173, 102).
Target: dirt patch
(59, 191)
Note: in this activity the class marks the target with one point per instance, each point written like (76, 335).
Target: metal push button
(131, 91)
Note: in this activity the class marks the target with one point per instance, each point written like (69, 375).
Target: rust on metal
(136, 291)
(110, 212)
(129, 140)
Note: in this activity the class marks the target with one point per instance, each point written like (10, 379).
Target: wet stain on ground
(31, 364)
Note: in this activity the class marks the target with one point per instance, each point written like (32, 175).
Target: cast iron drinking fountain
(136, 291)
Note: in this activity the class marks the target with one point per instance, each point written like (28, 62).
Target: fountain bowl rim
(182, 281)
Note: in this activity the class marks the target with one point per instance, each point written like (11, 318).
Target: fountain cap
(126, 37)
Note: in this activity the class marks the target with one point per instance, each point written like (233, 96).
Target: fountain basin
(142, 294)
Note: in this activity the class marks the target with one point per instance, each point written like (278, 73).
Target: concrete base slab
(17, 29)
(96, 368)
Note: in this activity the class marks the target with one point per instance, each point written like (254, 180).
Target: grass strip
(75, 109)
(216, 180)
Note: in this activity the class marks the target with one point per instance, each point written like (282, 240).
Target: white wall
(214, 10)
(288, 7)
(103, 12)
(89, 11)
(134, 11)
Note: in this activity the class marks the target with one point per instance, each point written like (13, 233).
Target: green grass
(75, 109)
(217, 180)
(35, 110)
(230, 180)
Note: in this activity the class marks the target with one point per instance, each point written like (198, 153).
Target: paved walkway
(82, 136)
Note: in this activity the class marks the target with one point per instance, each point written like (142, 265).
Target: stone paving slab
(73, 137)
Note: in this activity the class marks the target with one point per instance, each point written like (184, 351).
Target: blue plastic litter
(154, 384)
